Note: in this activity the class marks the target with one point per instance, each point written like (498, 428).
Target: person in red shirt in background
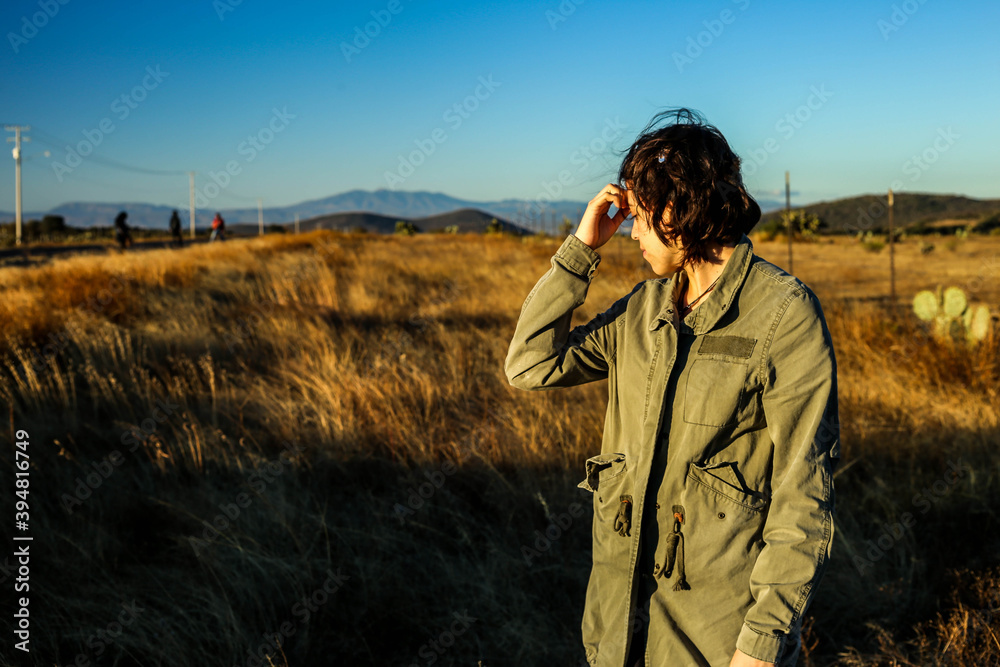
(218, 228)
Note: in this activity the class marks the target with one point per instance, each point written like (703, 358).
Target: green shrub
(53, 224)
(870, 242)
(989, 224)
(406, 228)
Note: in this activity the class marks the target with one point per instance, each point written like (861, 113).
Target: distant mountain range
(370, 207)
(390, 203)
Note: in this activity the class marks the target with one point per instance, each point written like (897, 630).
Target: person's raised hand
(597, 227)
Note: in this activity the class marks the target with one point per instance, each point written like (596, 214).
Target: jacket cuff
(577, 256)
(768, 648)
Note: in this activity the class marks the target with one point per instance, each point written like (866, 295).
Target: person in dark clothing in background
(122, 234)
(175, 228)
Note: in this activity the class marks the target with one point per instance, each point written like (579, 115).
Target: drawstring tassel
(675, 552)
(668, 569)
(682, 584)
(675, 547)
(623, 522)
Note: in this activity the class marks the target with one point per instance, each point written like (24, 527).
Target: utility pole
(17, 139)
(296, 223)
(788, 217)
(260, 215)
(191, 210)
(892, 262)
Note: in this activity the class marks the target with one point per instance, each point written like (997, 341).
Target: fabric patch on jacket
(731, 346)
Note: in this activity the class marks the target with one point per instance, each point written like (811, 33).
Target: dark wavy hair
(681, 162)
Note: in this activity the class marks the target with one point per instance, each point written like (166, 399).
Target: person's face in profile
(663, 260)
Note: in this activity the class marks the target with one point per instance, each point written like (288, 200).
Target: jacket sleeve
(800, 406)
(544, 353)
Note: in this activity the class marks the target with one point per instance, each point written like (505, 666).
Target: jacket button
(657, 505)
(722, 515)
(656, 568)
(599, 499)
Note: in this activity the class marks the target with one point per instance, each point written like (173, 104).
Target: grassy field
(301, 450)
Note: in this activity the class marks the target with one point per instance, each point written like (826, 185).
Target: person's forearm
(539, 356)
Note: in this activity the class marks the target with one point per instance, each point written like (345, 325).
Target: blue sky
(293, 101)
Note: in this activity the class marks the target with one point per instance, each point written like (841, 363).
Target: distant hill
(912, 211)
(345, 222)
(467, 220)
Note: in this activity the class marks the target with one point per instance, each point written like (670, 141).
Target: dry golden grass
(838, 267)
(382, 358)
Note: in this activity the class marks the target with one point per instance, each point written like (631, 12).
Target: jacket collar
(703, 318)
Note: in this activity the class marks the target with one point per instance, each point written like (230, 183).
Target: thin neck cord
(690, 305)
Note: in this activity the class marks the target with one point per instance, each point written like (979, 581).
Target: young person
(122, 233)
(175, 229)
(713, 492)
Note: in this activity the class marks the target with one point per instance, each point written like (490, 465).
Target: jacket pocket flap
(724, 479)
(601, 468)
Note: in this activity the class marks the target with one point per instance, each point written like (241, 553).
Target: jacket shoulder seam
(759, 265)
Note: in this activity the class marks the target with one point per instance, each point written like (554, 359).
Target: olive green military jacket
(720, 441)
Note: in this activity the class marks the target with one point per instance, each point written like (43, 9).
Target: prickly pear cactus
(951, 314)
(954, 302)
(926, 305)
(977, 322)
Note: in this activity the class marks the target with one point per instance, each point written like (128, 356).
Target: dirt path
(32, 255)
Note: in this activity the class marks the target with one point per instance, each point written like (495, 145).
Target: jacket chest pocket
(714, 391)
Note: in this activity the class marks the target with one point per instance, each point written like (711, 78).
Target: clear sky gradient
(269, 91)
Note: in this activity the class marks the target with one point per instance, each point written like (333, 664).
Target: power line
(176, 202)
(104, 184)
(226, 192)
(60, 144)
